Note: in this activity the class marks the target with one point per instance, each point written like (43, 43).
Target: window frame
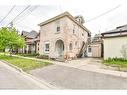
(70, 47)
(89, 49)
(45, 50)
(58, 28)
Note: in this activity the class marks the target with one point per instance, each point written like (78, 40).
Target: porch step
(60, 59)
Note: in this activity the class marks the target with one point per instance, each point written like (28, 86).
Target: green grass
(28, 55)
(25, 64)
(121, 63)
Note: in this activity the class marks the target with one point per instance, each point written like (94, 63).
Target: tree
(10, 39)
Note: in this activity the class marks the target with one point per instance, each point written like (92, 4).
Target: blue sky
(49, 8)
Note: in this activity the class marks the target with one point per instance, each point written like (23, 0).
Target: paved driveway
(72, 78)
(12, 79)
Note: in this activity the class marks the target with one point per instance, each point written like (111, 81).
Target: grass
(28, 55)
(25, 64)
(121, 63)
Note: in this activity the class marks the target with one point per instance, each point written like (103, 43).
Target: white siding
(113, 47)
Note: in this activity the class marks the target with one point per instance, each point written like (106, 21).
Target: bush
(43, 57)
(116, 59)
(32, 54)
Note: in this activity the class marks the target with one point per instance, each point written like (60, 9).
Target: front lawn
(25, 64)
(115, 62)
(28, 55)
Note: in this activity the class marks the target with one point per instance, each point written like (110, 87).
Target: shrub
(116, 59)
(32, 54)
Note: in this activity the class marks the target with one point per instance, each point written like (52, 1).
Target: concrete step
(60, 59)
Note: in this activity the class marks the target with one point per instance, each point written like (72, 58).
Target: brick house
(63, 36)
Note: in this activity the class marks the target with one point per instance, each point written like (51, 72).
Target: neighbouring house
(32, 42)
(115, 43)
(95, 48)
(63, 36)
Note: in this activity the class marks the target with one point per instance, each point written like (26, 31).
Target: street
(13, 79)
(72, 78)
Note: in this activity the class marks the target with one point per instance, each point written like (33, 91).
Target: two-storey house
(63, 36)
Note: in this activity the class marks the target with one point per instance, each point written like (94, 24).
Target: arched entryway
(59, 48)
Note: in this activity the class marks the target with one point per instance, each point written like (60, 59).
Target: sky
(96, 13)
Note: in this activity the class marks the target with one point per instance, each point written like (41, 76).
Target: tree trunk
(10, 51)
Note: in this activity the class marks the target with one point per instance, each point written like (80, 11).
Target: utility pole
(11, 24)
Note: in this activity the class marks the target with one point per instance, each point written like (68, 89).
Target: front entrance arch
(59, 48)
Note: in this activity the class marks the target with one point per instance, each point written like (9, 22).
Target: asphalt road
(71, 78)
(13, 79)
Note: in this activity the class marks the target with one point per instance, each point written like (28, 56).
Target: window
(47, 47)
(70, 46)
(73, 29)
(58, 28)
(76, 43)
(89, 49)
(82, 34)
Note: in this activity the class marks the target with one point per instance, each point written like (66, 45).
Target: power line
(104, 13)
(20, 13)
(8, 13)
(27, 14)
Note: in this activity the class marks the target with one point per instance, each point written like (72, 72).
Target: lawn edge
(49, 86)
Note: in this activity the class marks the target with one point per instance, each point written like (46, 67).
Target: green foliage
(9, 38)
(25, 64)
(119, 62)
(43, 57)
(116, 59)
(29, 55)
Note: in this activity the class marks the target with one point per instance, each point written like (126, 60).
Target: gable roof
(63, 15)
(32, 34)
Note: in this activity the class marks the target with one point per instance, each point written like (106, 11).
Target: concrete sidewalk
(87, 64)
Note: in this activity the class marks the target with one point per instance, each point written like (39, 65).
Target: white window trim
(45, 47)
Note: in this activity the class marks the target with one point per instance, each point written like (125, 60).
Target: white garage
(115, 43)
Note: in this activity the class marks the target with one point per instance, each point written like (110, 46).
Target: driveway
(13, 79)
(73, 78)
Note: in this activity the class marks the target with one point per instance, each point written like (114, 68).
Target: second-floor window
(82, 34)
(58, 28)
(73, 29)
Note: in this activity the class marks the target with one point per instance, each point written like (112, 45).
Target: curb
(49, 86)
(102, 71)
